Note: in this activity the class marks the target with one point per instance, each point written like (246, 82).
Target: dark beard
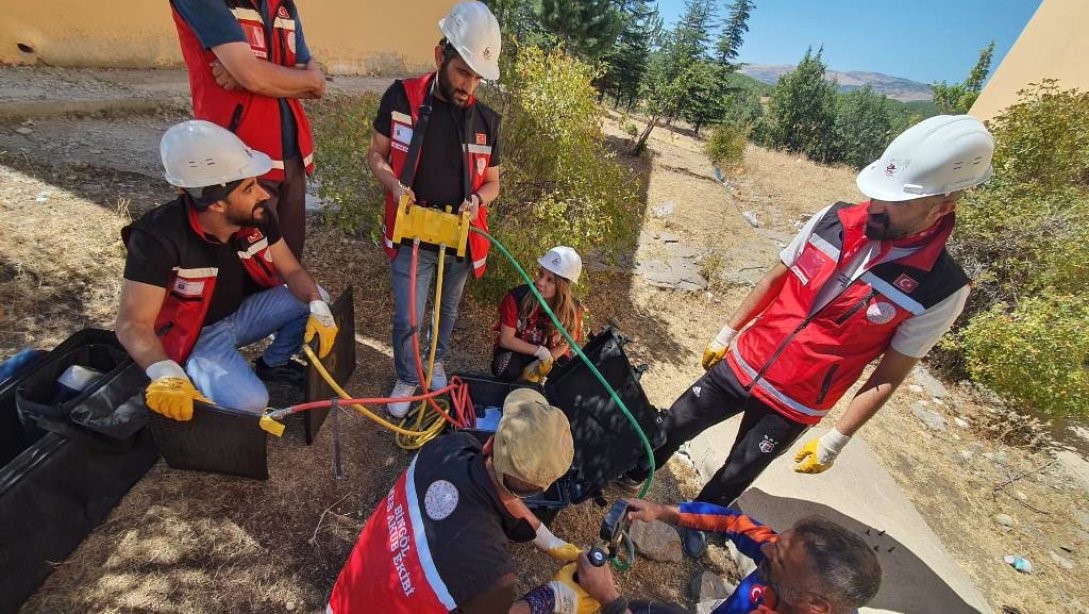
(251, 220)
(446, 88)
(879, 227)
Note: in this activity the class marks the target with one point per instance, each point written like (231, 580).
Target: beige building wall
(1054, 45)
(347, 36)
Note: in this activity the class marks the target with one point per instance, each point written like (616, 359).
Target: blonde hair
(567, 308)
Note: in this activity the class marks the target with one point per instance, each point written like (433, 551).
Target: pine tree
(863, 126)
(802, 113)
(626, 64)
(958, 98)
(733, 33)
(587, 28)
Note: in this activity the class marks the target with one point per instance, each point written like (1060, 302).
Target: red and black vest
(193, 282)
(254, 118)
(477, 157)
(799, 361)
(435, 542)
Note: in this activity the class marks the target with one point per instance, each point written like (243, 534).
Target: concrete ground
(919, 575)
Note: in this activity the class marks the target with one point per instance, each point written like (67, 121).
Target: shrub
(1035, 355)
(726, 147)
(342, 134)
(561, 185)
(1022, 237)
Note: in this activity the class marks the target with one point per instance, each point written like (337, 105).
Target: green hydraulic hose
(578, 350)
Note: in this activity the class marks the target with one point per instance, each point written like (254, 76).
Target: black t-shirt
(163, 239)
(439, 176)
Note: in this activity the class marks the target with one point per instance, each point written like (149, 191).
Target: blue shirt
(214, 24)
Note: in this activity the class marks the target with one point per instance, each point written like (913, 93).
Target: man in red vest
(208, 273)
(248, 67)
(858, 283)
(437, 144)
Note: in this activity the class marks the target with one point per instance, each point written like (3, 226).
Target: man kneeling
(206, 274)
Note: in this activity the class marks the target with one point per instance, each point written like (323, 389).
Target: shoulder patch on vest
(441, 499)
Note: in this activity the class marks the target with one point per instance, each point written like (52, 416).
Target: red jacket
(254, 118)
(801, 362)
(479, 159)
(190, 289)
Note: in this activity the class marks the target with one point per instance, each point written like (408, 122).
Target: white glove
(567, 601)
(818, 455)
(716, 351)
(555, 547)
(723, 338)
(164, 369)
(543, 354)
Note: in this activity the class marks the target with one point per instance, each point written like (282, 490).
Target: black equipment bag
(340, 363)
(108, 413)
(216, 439)
(606, 445)
(54, 489)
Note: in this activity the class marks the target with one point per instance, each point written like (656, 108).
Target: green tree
(677, 68)
(587, 28)
(802, 112)
(626, 64)
(957, 98)
(733, 34)
(862, 126)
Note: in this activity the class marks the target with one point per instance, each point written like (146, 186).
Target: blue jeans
(221, 373)
(453, 283)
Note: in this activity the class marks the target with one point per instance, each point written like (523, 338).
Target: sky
(921, 40)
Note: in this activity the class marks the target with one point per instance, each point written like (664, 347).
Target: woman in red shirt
(526, 333)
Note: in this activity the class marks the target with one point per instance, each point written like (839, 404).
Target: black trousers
(287, 201)
(507, 365)
(717, 396)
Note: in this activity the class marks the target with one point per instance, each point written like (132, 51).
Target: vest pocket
(854, 309)
(826, 383)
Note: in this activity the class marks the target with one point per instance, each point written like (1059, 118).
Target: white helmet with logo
(939, 155)
(198, 154)
(472, 29)
(563, 261)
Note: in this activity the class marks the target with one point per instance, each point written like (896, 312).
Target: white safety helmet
(939, 155)
(472, 29)
(563, 261)
(199, 154)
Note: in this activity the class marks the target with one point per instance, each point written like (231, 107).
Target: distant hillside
(896, 88)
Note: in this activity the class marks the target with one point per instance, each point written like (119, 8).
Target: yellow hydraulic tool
(431, 225)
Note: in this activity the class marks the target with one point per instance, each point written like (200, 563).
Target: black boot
(291, 373)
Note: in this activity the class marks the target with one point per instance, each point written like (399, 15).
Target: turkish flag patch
(905, 283)
(282, 13)
(481, 138)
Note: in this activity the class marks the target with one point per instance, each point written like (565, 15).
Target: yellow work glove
(555, 547)
(716, 351)
(170, 392)
(322, 324)
(570, 597)
(820, 454)
(536, 371)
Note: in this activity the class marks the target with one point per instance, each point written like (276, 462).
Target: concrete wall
(1054, 44)
(347, 36)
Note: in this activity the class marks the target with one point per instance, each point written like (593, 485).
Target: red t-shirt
(532, 329)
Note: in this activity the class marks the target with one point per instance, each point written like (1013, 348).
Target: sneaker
(693, 542)
(438, 376)
(290, 373)
(400, 408)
